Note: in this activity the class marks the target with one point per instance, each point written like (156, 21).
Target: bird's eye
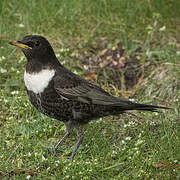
(36, 43)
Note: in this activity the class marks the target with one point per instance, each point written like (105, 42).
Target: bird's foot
(79, 141)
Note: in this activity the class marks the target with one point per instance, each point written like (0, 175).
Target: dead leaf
(91, 77)
(168, 165)
(126, 94)
(103, 64)
(16, 171)
(122, 59)
(103, 52)
(108, 57)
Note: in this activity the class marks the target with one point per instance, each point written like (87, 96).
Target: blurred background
(131, 48)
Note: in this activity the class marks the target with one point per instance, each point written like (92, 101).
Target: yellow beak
(21, 45)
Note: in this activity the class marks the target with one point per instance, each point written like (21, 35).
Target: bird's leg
(69, 128)
(79, 131)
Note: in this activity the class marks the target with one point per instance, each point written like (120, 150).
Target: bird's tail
(143, 107)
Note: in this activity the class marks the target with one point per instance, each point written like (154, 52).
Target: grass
(132, 146)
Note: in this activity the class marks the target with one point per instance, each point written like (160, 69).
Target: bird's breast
(37, 82)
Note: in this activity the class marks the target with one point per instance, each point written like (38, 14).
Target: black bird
(58, 93)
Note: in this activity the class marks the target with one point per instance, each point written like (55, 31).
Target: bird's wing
(71, 86)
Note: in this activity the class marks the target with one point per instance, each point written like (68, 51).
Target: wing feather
(73, 87)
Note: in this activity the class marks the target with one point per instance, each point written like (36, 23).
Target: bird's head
(35, 47)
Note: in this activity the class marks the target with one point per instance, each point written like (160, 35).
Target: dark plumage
(61, 94)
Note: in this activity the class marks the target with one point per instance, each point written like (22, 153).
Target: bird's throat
(37, 82)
